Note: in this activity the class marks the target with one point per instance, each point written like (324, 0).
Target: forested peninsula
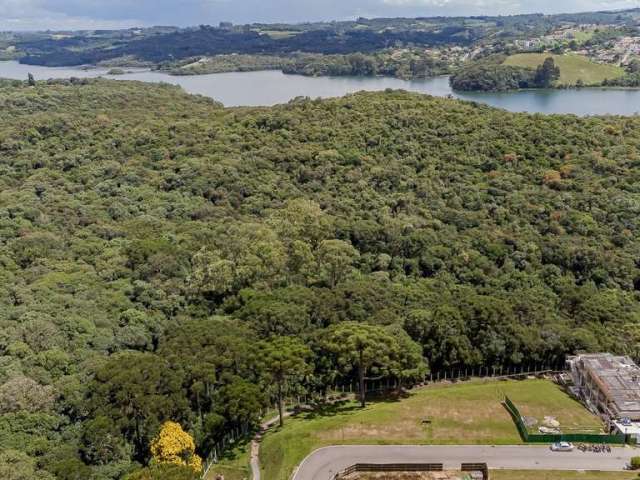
(160, 254)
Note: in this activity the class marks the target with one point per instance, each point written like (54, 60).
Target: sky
(89, 14)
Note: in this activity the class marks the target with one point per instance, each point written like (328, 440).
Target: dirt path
(255, 444)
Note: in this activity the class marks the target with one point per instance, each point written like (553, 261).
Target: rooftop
(632, 428)
(618, 377)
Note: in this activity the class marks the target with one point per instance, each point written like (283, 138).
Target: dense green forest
(224, 63)
(163, 258)
(409, 63)
(491, 75)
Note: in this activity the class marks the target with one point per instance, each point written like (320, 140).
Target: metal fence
(229, 439)
(560, 437)
(457, 374)
(539, 368)
(391, 467)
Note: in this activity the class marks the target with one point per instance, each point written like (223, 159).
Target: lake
(273, 87)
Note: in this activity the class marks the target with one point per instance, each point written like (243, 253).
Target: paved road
(325, 462)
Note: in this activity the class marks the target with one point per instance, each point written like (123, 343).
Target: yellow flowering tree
(174, 445)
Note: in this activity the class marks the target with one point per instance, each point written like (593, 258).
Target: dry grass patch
(455, 413)
(573, 417)
(464, 413)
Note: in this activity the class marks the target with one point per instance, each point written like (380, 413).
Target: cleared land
(466, 413)
(409, 476)
(516, 475)
(554, 475)
(572, 67)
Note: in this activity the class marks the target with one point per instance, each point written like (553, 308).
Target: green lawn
(572, 67)
(582, 36)
(465, 413)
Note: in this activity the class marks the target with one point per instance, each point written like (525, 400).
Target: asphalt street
(324, 463)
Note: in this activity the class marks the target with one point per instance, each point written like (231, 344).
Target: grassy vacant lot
(465, 413)
(572, 67)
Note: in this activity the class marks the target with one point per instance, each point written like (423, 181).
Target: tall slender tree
(286, 362)
(547, 73)
(363, 348)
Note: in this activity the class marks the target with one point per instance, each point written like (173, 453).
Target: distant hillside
(214, 41)
(363, 35)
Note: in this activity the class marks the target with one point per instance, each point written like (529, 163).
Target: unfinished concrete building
(608, 384)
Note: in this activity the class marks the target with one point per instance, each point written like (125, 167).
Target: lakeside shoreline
(275, 87)
(187, 74)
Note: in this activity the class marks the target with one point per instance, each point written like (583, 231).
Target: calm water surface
(273, 87)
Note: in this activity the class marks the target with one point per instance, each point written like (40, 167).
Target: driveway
(324, 463)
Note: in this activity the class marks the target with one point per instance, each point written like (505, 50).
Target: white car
(562, 447)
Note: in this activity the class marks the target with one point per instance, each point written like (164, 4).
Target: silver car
(562, 447)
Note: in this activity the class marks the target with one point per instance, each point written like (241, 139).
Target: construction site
(446, 475)
(609, 386)
(413, 471)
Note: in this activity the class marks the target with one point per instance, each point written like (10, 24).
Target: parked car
(562, 447)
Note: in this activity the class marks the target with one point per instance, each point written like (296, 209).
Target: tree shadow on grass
(329, 409)
(349, 405)
(240, 447)
(389, 396)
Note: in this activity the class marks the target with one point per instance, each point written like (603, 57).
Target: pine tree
(547, 73)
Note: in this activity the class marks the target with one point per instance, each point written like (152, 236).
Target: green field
(572, 67)
(467, 413)
(581, 36)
